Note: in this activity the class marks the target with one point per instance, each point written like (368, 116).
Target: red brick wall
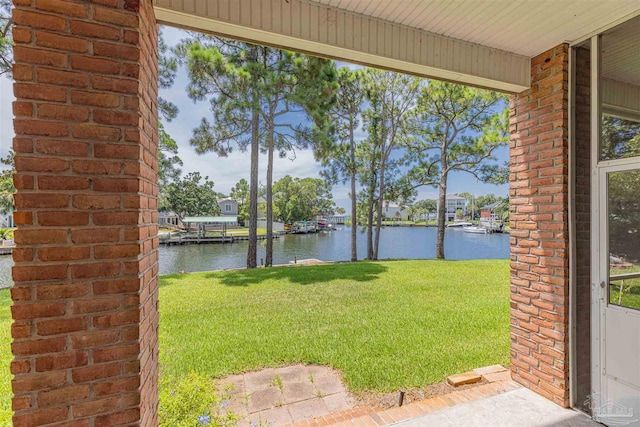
(583, 225)
(85, 294)
(539, 229)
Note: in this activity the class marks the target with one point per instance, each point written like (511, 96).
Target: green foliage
(384, 325)
(338, 153)
(184, 399)
(5, 357)
(422, 208)
(455, 128)
(189, 197)
(6, 44)
(390, 98)
(7, 189)
(620, 138)
(240, 193)
(298, 199)
(168, 162)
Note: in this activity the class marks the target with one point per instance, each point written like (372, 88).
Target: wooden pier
(195, 240)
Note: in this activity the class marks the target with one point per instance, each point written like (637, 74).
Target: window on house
(227, 208)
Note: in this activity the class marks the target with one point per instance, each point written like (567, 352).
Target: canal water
(395, 242)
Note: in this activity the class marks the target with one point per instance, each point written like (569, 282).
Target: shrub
(186, 401)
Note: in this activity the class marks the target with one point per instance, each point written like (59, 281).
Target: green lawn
(630, 289)
(385, 325)
(5, 357)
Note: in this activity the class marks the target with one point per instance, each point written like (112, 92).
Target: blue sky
(225, 172)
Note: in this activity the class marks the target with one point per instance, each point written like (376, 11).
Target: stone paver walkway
(281, 396)
(314, 396)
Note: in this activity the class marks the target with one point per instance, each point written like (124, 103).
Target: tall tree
(423, 207)
(258, 90)
(304, 199)
(191, 197)
(168, 162)
(291, 84)
(168, 159)
(338, 155)
(6, 45)
(228, 73)
(391, 97)
(240, 193)
(456, 128)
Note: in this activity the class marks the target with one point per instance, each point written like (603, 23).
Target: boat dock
(195, 240)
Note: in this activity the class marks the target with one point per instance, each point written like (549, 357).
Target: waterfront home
(453, 204)
(6, 220)
(169, 219)
(228, 207)
(488, 212)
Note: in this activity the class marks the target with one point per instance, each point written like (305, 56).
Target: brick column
(539, 229)
(85, 294)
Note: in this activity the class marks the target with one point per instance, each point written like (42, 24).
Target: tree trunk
(442, 213)
(376, 244)
(269, 248)
(253, 190)
(354, 200)
(370, 203)
(354, 213)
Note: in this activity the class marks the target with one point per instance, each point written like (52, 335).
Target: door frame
(599, 223)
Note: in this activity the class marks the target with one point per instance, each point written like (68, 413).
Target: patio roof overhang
(482, 43)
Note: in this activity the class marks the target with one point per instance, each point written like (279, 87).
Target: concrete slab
(295, 392)
(265, 398)
(338, 402)
(281, 396)
(275, 417)
(307, 409)
(295, 373)
(259, 379)
(521, 407)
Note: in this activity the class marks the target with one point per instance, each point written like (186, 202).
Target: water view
(395, 242)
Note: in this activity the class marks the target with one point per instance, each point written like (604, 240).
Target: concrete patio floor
(314, 396)
(280, 396)
(521, 407)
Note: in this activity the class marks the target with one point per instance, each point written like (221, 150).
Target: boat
(493, 224)
(459, 224)
(474, 229)
(304, 227)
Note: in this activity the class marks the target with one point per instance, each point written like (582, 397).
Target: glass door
(616, 225)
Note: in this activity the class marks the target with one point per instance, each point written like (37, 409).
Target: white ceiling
(621, 53)
(525, 27)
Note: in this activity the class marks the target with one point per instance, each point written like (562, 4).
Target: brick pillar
(85, 296)
(582, 162)
(539, 229)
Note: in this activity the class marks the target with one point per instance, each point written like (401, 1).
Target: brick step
(371, 417)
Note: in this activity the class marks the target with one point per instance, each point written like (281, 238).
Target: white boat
(459, 224)
(474, 229)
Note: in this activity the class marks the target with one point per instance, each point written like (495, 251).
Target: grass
(630, 290)
(385, 325)
(5, 357)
